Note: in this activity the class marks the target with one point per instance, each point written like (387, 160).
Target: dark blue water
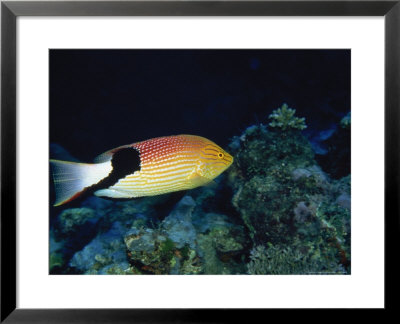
(100, 99)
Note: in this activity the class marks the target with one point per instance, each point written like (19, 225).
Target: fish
(148, 168)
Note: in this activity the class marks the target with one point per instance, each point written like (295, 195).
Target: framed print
(165, 155)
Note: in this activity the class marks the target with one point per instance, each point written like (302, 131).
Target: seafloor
(283, 207)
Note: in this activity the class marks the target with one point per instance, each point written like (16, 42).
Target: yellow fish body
(152, 167)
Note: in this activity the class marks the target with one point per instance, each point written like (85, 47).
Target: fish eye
(220, 155)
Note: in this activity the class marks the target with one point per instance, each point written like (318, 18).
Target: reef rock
(178, 225)
(105, 254)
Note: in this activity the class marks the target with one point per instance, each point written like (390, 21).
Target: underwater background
(283, 206)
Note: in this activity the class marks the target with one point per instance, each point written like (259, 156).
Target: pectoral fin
(198, 180)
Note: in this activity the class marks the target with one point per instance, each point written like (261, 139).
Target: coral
(221, 244)
(142, 240)
(311, 177)
(191, 263)
(151, 251)
(217, 260)
(264, 152)
(169, 248)
(345, 122)
(301, 173)
(122, 268)
(212, 264)
(73, 218)
(289, 260)
(283, 118)
(266, 191)
(225, 240)
(302, 213)
(296, 215)
(336, 218)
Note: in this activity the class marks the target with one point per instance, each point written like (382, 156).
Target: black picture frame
(10, 10)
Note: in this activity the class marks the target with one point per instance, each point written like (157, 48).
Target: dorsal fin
(107, 156)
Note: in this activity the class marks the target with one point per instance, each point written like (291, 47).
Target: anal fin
(112, 193)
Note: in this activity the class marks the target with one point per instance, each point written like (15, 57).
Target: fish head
(214, 160)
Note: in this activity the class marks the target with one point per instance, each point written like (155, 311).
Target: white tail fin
(71, 178)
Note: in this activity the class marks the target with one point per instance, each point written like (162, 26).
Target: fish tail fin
(72, 178)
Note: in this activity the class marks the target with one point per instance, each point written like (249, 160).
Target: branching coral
(291, 260)
(284, 118)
